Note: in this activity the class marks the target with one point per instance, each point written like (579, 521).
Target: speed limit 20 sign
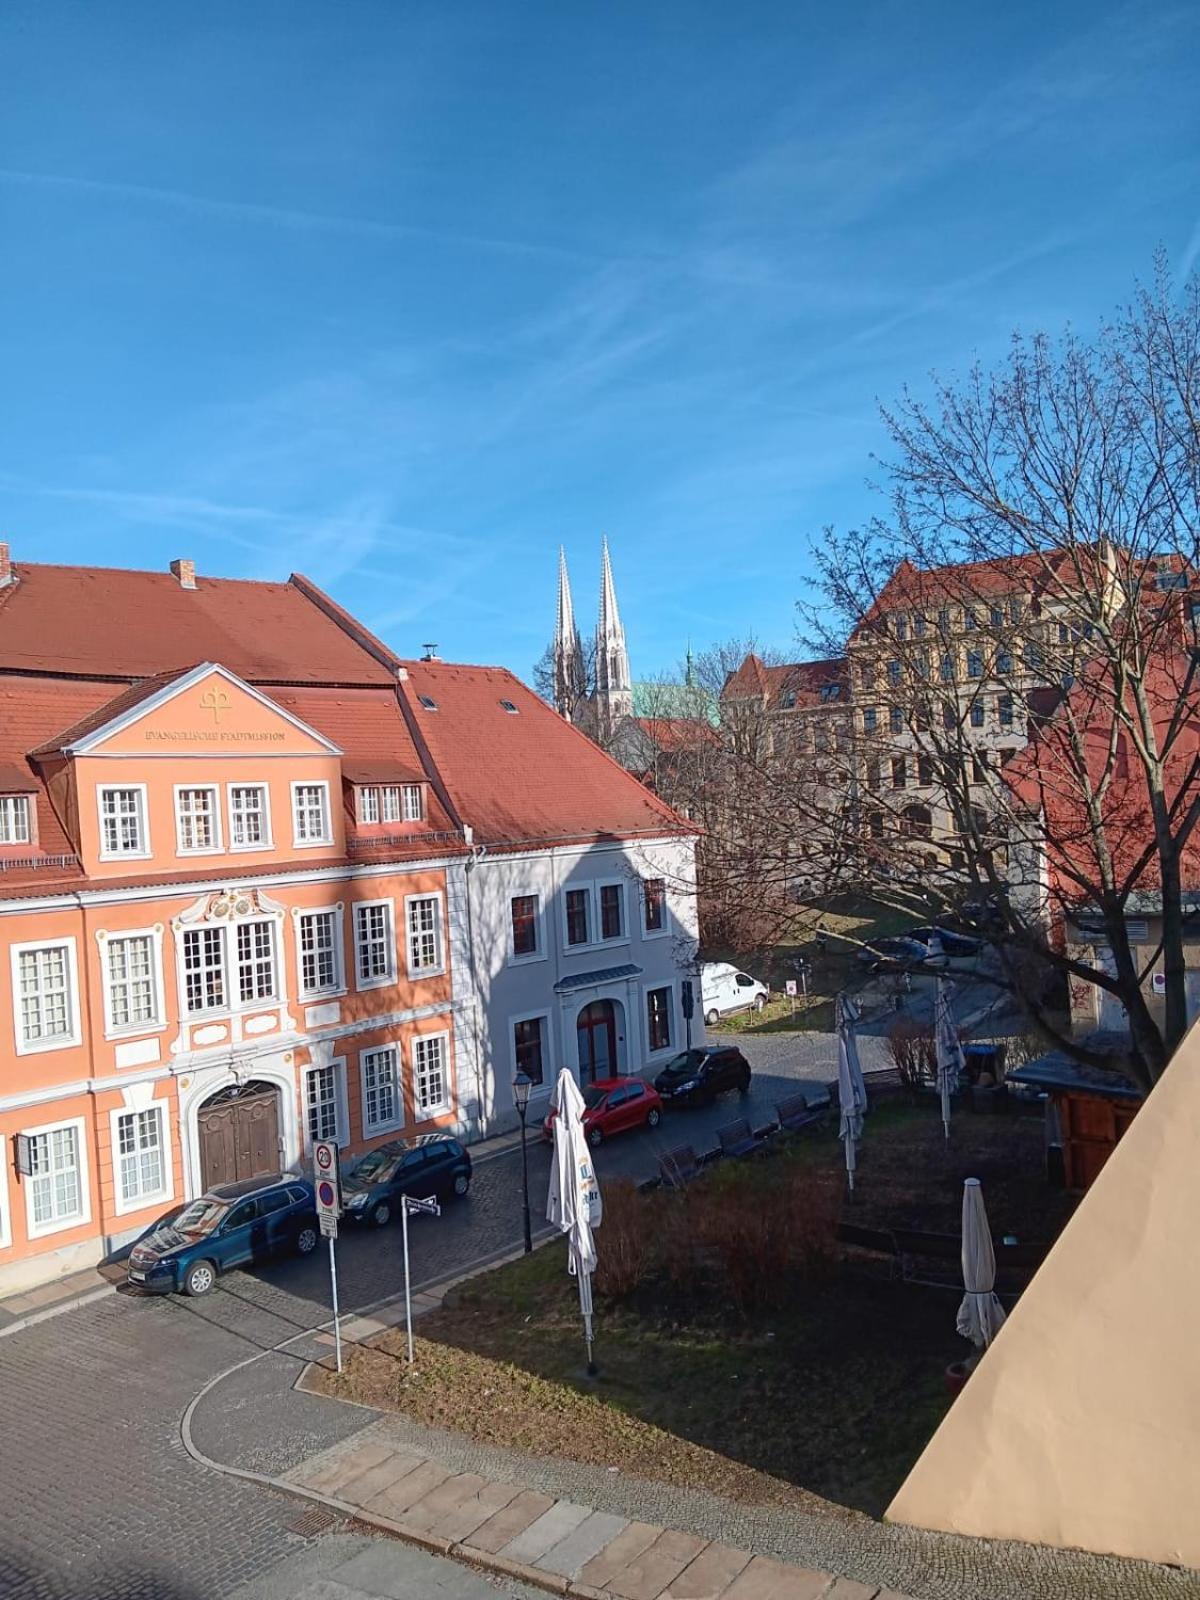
(328, 1186)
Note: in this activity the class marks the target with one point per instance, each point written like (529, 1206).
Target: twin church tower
(597, 700)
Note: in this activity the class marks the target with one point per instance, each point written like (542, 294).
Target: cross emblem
(216, 701)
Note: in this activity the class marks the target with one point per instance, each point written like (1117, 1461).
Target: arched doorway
(596, 1031)
(239, 1134)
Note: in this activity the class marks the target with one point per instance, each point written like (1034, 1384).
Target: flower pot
(957, 1374)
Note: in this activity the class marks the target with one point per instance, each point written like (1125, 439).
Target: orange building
(223, 899)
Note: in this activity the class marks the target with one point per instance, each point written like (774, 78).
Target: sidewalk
(555, 1544)
(22, 1310)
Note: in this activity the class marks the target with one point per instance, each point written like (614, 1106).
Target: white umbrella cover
(847, 1016)
(949, 1050)
(980, 1314)
(573, 1202)
(850, 1126)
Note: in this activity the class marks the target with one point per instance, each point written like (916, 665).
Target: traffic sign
(328, 1186)
(790, 986)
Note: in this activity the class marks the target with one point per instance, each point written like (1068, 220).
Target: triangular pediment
(206, 711)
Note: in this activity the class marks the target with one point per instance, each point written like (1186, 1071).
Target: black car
(702, 1074)
(433, 1164)
(231, 1225)
(957, 945)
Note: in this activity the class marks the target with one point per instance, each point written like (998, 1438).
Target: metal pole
(525, 1186)
(407, 1293)
(337, 1327)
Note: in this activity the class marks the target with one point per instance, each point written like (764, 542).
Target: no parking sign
(328, 1186)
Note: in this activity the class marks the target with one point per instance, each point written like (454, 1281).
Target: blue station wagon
(230, 1226)
(431, 1164)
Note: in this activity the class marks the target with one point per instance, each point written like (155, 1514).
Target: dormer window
(507, 705)
(390, 802)
(428, 702)
(14, 819)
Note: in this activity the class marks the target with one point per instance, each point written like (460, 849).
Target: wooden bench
(797, 1112)
(679, 1165)
(737, 1138)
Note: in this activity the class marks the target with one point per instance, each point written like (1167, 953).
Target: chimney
(7, 575)
(185, 571)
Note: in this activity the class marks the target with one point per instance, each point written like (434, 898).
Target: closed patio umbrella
(980, 1314)
(948, 1049)
(851, 1103)
(573, 1203)
(847, 1016)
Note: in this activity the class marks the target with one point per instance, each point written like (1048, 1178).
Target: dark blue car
(431, 1164)
(230, 1226)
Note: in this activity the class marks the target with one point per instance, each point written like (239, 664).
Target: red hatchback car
(612, 1105)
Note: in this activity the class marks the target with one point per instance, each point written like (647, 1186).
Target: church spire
(614, 691)
(570, 684)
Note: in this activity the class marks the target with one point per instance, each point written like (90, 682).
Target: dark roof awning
(16, 779)
(1057, 1072)
(592, 980)
(384, 769)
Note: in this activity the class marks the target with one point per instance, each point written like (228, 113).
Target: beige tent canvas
(1081, 1425)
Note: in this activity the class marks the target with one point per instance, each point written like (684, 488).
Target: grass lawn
(835, 969)
(824, 1400)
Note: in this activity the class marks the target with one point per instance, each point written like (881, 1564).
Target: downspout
(478, 851)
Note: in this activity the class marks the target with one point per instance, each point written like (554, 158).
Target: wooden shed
(1088, 1109)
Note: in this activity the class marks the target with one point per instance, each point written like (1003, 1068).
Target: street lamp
(522, 1084)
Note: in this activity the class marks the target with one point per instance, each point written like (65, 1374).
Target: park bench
(737, 1138)
(679, 1165)
(935, 1260)
(797, 1112)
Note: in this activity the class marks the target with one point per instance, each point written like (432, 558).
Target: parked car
(700, 1075)
(613, 1105)
(903, 951)
(725, 989)
(229, 1226)
(432, 1164)
(957, 946)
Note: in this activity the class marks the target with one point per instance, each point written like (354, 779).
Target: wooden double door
(239, 1135)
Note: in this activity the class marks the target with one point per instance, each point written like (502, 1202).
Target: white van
(724, 989)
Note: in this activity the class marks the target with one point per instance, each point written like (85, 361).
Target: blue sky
(401, 295)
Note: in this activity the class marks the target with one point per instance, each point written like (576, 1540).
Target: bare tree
(1021, 644)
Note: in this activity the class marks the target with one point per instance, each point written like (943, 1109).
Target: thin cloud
(287, 217)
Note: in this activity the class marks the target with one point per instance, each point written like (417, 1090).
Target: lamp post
(522, 1084)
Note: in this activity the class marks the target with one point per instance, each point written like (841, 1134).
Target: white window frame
(372, 1130)
(122, 1206)
(143, 852)
(370, 798)
(381, 980)
(62, 1042)
(35, 1230)
(15, 804)
(234, 959)
(673, 1044)
(407, 813)
(665, 931)
(549, 1071)
(540, 953)
(5, 1208)
(589, 889)
(341, 1113)
(267, 842)
(123, 1030)
(393, 811)
(621, 886)
(447, 1103)
(214, 790)
(440, 930)
(339, 950)
(311, 844)
(234, 1004)
(185, 1011)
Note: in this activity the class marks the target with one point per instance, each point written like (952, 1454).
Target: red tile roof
(106, 622)
(803, 680)
(670, 734)
(524, 778)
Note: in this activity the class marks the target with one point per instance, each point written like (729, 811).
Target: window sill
(201, 850)
(41, 1047)
(47, 1229)
(364, 985)
(318, 995)
(250, 849)
(526, 961)
(425, 972)
(312, 844)
(108, 856)
(382, 1130)
(126, 1208)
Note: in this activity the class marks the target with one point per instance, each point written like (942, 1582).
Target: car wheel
(200, 1278)
(759, 1002)
(712, 1018)
(381, 1214)
(595, 1137)
(655, 1117)
(306, 1240)
(462, 1183)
